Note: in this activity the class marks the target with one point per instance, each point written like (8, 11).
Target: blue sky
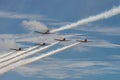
(98, 60)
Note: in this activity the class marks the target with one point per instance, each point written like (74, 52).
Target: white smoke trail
(104, 15)
(26, 55)
(17, 54)
(31, 60)
(6, 54)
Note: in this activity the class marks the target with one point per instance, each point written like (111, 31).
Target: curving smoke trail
(31, 60)
(26, 55)
(18, 54)
(104, 15)
(5, 55)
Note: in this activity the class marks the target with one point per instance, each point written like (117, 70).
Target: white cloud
(34, 25)
(102, 44)
(95, 44)
(7, 42)
(63, 69)
(115, 57)
(14, 15)
(59, 23)
(104, 30)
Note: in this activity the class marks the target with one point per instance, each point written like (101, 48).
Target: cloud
(14, 15)
(63, 69)
(59, 23)
(34, 25)
(102, 44)
(95, 44)
(103, 29)
(7, 42)
(116, 57)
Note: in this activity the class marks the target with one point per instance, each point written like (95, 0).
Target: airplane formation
(44, 44)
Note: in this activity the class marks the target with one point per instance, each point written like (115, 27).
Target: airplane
(41, 44)
(18, 49)
(83, 41)
(46, 32)
(64, 39)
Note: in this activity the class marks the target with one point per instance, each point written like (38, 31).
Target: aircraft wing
(38, 32)
(13, 49)
(61, 40)
(57, 39)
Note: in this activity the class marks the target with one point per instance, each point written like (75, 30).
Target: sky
(98, 60)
